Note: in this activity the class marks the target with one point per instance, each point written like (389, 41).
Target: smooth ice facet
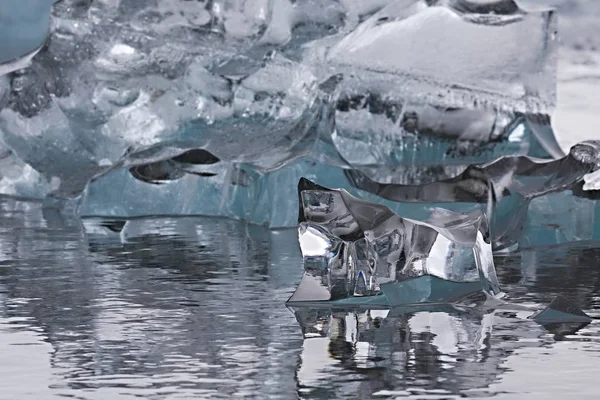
(427, 289)
(24, 26)
(471, 50)
(561, 310)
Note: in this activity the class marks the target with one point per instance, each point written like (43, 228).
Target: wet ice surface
(194, 308)
(122, 89)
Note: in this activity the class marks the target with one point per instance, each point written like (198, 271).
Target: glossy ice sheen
(238, 79)
(352, 247)
(194, 307)
(437, 85)
(464, 49)
(535, 202)
(561, 310)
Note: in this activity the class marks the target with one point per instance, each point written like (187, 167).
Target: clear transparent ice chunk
(355, 248)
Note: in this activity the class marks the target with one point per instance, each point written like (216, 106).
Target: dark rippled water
(194, 308)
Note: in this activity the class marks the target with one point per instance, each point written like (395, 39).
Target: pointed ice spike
(541, 128)
(561, 310)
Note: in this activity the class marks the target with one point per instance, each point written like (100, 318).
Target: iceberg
(119, 83)
(129, 83)
(537, 202)
(359, 252)
(218, 110)
(269, 92)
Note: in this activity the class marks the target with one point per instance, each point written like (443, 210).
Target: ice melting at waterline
(186, 109)
(354, 248)
(524, 190)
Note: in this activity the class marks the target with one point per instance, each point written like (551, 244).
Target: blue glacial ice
(220, 109)
(24, 26)
(362, 254)
(275, 91)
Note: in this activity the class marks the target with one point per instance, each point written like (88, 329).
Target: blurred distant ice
(577, 116)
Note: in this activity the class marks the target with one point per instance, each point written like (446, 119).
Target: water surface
(177, 308)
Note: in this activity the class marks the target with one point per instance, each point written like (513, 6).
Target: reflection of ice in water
(451, 350)
(32, 367)
(195, 307)
(182, 301)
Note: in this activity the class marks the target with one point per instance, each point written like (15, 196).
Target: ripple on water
(175, 308)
